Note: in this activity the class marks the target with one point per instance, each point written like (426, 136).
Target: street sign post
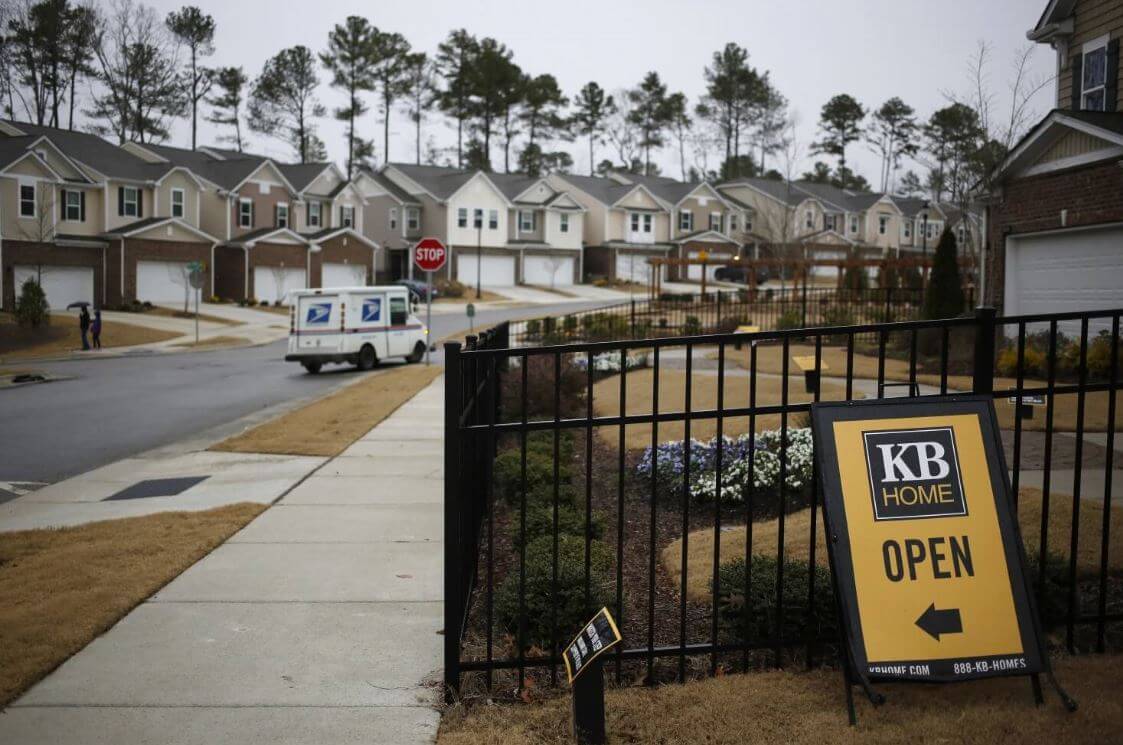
(429, 255)
(924, 546)
(197, 278)
(583, 666)
(471, 311)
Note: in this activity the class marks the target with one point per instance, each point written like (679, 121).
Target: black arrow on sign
(935, 622)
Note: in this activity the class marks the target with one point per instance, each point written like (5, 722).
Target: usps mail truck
(356, 325)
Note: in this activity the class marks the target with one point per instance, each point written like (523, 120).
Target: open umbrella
(78, 304)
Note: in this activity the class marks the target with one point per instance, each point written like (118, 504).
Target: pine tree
(593, 107)
(944, 298)
(227, 105)
(195, 30)
(350, 60)
(283, 103)
(840, 123)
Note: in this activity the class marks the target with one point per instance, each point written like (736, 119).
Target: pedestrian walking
(84, 327)
(95, 329)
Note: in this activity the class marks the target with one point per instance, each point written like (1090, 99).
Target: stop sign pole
(429, 255)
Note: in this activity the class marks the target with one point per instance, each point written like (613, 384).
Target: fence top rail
(1073, 315)
(704, 339)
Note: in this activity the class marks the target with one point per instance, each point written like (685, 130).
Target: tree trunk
(418, 110)
(592, 161)
(386, 129)
(460, 141)
(194, 99)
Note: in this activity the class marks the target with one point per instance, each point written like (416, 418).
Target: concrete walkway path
(318, 623)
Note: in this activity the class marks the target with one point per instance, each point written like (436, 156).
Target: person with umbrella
(95, 328)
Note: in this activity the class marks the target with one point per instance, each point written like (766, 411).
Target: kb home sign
(925, 551)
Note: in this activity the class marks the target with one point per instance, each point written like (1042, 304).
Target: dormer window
(347, 216)
(882, 224)
(809, 220)
(1093, 75)
(178, 202)
(27, 200)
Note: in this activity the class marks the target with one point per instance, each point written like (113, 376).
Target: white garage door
(494, 271)
(1067, 271)
(161, 281)
(63, 284)
(695, 272)
(344, 275)
(634, 268)
(271, 283)
(548, 271)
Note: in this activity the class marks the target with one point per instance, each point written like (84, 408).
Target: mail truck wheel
(312, 367)
(417, 353)
(367, 358)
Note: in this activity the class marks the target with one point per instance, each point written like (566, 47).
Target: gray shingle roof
(1109, 120)
(301, 175)
(226, 173)
(97, 153)
(14, 148)
(399, 193)
(778, 190)
(667, 189)
(602, 189)
(439, 181)
(513, 184)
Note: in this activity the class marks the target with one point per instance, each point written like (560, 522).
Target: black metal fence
(723, 311)
(671, 479)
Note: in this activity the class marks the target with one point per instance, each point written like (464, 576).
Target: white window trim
(462, 217)
(283, 206)
(809, 219)
(648, 222)
(493, 219)
(563, 222)
(248, 215)
(1088, 48)
(854, 224)
(526, 221)
(77, 206)
(182, 203)
(125, 202)
(413, 218)
(343, 217)
(882, 224)
(393, 218)
(34, 199)
(685, 220)
(315, 215)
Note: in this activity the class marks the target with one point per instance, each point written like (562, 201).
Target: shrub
(541, 604)
(32, 308)
(753, 618)
(692, 326)
(791, 318)
(911, 278)
(855, 278)
(540, 522)
(944, 298)
(450, 288)
(569, 324)
(533, 328)
(1033, 361)
(507, 473)
(837, 315)
(1099, 357)
(541, 388)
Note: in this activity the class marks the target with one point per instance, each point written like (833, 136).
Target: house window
(477, 218)
(178, 202)
(960, 234)
(635, 222)
(685, 221)
(733, 223)
(462, 217)
(828, 222)
(748, 224)
(313, 214)
(413, 218)
(394, 218)
(853, 224)
(906, 229)
(282, 220)
(245, 213)
(563, 220)
(347, 216)
(493, 219)
(809, 220)
(931, 230)
(130, 201)
(715, 221)
(647, 223)
(73, 202)
(882, 224)
(27, 200)
(526, 221)
(1093, 75)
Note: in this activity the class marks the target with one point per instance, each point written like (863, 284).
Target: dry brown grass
(173, 313)
(770, 360)
(327, 426)
(469, 296)
(63, 587)
(62, 336)
(704, 385)
(808, 708)
(797, 526)
(214, 341)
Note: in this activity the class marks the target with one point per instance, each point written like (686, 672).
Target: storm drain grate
(157, 488)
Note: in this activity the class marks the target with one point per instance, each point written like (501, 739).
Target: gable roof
(396, 192)
(440, 181)
(1056, 18)
(515, 184)
(777, 190)
(604, 190)
(95, 152)
(301, 175)
(1104, 125)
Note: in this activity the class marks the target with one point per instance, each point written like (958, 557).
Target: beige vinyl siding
(433, 220)
(376, 221)
(213, 214)
(178, 180)
(95, 214)
(1072, 144)
(114, 220)
(1093, 19)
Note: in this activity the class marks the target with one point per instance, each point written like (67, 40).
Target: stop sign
(429, 254)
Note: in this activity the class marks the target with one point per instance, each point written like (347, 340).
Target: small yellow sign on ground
(807, 362)
(927, 557)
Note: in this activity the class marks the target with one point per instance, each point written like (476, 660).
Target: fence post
(984, 350)
(803, 301)
(888, 301)
(718, 308)
(633, 317)
(453, 591)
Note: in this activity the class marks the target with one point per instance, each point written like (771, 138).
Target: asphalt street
(111, 408)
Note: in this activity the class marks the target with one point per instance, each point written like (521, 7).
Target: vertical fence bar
(715, 580)
(1077, 473)
(1046, 477)
(1016, 477)
(453, 592)
(983, 381)
(493, 407)
(750, 491)
(554, 518)
(653, 536)
(1105, 535)
(779, 629)
(688, 458)
(521, 637)
(814, 511)
(620, 465)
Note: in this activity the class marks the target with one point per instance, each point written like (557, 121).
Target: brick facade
(143, 249)
(276, 255)
(1091, 195)
(26, 253)
(341, 250)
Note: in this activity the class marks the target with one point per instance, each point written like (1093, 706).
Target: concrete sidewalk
(318, 623)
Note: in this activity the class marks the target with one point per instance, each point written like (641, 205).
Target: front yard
(62, 336)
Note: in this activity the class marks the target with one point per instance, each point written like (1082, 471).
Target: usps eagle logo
(372, 310)
(318, 314)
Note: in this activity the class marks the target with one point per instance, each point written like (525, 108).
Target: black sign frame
(856, 667)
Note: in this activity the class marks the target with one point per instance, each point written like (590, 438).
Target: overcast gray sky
(871, 49)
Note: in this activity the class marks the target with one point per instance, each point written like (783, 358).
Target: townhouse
(1054, 217)
(95, 222)
(501, 229)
